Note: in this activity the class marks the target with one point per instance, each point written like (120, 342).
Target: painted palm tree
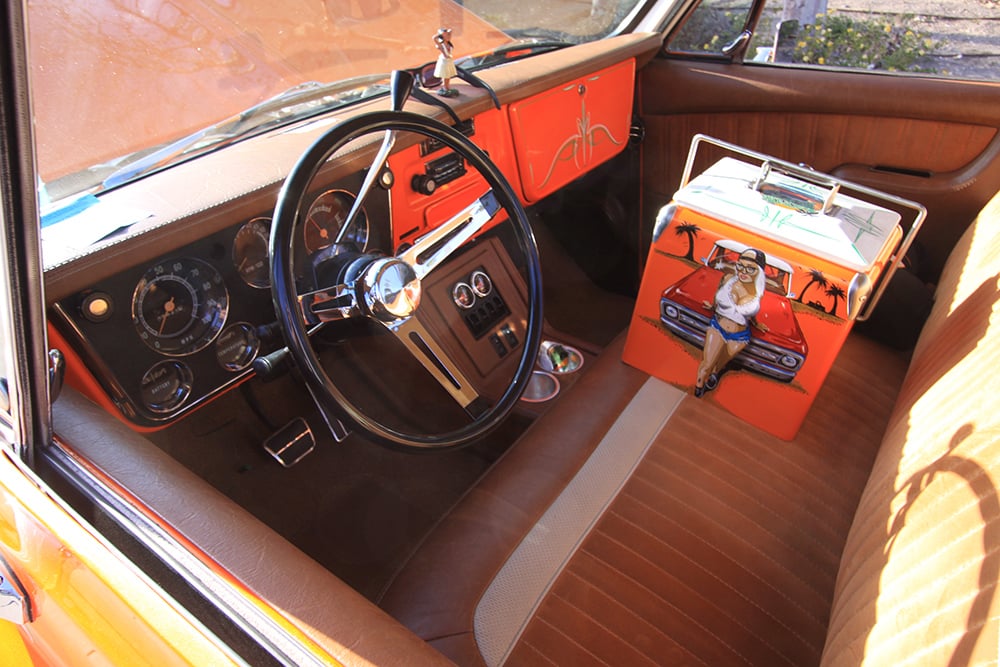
(691, 230)
(816, 277)
(835, 292)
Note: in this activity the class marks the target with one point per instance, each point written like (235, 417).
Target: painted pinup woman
(737, 302)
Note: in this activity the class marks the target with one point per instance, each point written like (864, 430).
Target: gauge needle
(168, 309)
(323, 233)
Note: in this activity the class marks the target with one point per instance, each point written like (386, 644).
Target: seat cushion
(722, 547)
(917, 585)
(436, 592)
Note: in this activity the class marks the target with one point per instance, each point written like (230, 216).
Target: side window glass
(949, 38)
(713, 25)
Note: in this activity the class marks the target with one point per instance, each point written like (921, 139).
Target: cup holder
(557, 358)
(541, 387)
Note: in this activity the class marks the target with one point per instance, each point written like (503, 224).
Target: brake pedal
(291, 443)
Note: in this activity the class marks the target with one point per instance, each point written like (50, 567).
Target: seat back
(917, 581)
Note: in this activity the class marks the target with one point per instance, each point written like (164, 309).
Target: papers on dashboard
(72, 228)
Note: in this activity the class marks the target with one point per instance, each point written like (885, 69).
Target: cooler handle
(808, 173)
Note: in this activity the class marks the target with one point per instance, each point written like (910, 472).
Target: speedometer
(179, 306)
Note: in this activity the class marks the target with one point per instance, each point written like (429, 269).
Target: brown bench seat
(724, 545)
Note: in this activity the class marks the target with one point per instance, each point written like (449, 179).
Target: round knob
(424, 184)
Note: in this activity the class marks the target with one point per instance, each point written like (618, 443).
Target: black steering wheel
(385, 289)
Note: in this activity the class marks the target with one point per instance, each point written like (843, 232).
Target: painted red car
(777, 353)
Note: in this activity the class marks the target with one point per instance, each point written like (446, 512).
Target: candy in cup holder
(558, 358)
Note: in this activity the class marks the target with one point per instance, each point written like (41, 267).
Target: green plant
(711, 26)
(868, 44)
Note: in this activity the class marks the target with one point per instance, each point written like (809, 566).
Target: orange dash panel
(565, 132)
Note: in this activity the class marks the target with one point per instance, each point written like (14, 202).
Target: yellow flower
(821, 61)
(888, 28)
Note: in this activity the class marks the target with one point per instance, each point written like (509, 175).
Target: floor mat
(356, 507)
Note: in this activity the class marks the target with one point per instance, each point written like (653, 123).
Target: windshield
(119, 78)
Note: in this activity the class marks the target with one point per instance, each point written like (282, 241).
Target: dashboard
(166, 335)
(176, 312)
(170, 333)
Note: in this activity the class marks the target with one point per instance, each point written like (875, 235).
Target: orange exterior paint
(563, 133)
(86, 600)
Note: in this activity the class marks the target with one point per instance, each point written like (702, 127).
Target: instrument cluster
(168, 335)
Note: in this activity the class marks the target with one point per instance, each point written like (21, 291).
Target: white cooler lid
(851, 234)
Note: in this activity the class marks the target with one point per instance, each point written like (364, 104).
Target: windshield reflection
(113, 78)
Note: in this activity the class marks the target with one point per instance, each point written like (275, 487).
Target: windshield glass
(119, 78)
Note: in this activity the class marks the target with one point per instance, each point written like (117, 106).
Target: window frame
(22, 324)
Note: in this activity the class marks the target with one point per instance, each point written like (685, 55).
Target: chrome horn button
(391, 289)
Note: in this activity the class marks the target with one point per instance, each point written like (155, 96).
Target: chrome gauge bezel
(481, 283)
(250, 252)
(166, 386)
(463, 296)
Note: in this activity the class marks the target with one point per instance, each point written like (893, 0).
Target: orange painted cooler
(757, 271)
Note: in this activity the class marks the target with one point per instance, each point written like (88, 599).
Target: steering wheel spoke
(429, 353)
(328, 305)
(438, 244)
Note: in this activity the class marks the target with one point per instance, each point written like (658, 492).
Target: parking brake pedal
(291, 443)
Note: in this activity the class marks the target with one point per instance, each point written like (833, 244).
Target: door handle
(14, 604)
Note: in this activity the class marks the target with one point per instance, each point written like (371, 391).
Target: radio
(438, 172)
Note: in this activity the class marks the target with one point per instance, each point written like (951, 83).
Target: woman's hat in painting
(754, 255)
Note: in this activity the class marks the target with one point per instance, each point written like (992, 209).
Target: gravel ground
(967, 31)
